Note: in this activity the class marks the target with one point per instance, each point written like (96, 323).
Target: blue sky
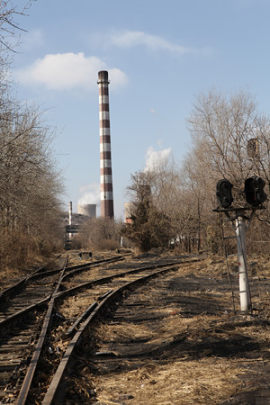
(160, 55)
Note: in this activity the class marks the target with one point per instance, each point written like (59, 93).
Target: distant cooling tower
(106, 184)
(88, 210)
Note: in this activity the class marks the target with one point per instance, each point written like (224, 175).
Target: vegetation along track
(121, 334)
(73, 292)
(75, 312)
(22, 312)
(174, 339)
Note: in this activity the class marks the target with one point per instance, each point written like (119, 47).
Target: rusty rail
(55, 392)
(25, 388)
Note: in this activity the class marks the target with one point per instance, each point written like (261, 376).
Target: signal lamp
(224, 193)
(254, 192)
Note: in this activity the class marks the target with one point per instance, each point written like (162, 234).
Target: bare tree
(29, 184)
(8, 23)
(100, 234)
(222, 130)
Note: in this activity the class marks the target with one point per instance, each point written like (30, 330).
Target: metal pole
(245, 302)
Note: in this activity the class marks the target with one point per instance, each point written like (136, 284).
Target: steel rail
(24, 311)
(77, 266)
(57, 295)
(86, 284)
(84, 267)
(15, 313)
(25, 388)
(70, 291)
(39, 274)
(74, 270)
(12, 288)
(17, 285)
(73, 328)
(54, 395)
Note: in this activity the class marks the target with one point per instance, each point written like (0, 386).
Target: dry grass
(9, 276)
(74, 306)
(207, 381)
(174, 376)
(12, 274)
(182, 359)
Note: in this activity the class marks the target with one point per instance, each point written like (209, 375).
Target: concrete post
(245, 302)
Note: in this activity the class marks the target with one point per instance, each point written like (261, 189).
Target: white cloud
(128, 39)
(66, 71)
(90, 194)
(156, 158)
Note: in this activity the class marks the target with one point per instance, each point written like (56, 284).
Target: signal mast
(241, 218)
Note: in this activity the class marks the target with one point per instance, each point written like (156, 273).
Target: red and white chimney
(70, 218)
(106, 185)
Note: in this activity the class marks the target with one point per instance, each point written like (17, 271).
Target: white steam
(156, 158)
(90, 194)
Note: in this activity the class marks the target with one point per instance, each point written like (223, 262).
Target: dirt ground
(183, 341)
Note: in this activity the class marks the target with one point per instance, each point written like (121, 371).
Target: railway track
(110, 320)
(173, 342)
(68, 297)
(77, 307)
(57, 392)
(22, 312)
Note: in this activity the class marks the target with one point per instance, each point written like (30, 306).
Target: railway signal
(254, 192)
(224, 193)
(255, 196)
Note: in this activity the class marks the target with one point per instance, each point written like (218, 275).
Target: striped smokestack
(106, 187)
(70, 213)
(70, 218)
